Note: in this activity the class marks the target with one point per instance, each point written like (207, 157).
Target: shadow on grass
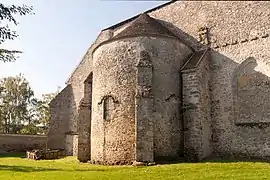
(41, 169)
(220, 159)
(235, 159)
(25, 168)
(15, 155)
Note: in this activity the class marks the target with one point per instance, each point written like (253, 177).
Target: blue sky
(55, 39)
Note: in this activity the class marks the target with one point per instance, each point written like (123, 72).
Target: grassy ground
(14, 167)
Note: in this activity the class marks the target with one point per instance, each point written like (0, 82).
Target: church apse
(113, 108)
(136, 86)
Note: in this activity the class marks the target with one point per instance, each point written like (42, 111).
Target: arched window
(108, 103)
(108, 107)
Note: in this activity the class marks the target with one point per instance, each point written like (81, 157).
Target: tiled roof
(145, 25)
(134, 17)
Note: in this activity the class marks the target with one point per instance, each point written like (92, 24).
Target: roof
(134, 17)
(195, 59)
(119, 25)
(145, 25)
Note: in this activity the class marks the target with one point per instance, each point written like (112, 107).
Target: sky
(55, 39)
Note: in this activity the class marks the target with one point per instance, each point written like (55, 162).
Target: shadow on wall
(184, 37)
(63, 115)
(240, 105)
(240, 96)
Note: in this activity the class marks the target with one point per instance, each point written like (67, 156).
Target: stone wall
(159, 93)
(204, 77)
(61, 116)
(144, 108)
(71, 144)
(228, 22)
(237, 30)
(119, 61)
(168, 56)
(197, 106)
(192, 125)
(84, 122)
(240, 94)
(21, 143)
(113, 107)
(77, 79)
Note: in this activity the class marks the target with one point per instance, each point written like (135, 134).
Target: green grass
(13, 167)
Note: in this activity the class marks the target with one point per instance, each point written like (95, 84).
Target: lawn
(14, 167)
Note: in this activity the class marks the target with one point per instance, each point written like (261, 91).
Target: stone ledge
(253, 124)
(235, 42)
(71, 133)
(189, 106)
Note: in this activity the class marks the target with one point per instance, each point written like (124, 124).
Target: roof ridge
(145, 25)
(134, 17)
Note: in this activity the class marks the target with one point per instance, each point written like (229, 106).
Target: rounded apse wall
(113, 99)
(113, 108)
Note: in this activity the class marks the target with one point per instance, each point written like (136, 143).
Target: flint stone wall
(119, 61)
(168, 56)
(60, 135)
(113, 107)
(162, 124)
(238, 31)
(240, 98)
(197, 110)
(84, 122)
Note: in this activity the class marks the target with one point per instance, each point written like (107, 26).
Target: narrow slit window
(108, 107)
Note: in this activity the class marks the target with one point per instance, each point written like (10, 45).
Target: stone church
(187, 79)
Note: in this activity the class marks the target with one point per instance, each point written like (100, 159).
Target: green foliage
(20, 111)
(7, 14)
(15, 97)
(43, 108)
(29, 129)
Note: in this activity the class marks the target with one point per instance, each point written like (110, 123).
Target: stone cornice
(241, 41)
(205, 37)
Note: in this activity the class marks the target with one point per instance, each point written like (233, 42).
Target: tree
(7, 13)
(20, 111)
(31, 119)
(42, 109)
(16, 96)
(38, 115)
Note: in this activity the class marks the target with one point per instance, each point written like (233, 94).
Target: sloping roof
(195, 59)
(134, 17)
(114, 27)
(145, 25)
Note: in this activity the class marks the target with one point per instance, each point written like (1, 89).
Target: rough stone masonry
(188, 79)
